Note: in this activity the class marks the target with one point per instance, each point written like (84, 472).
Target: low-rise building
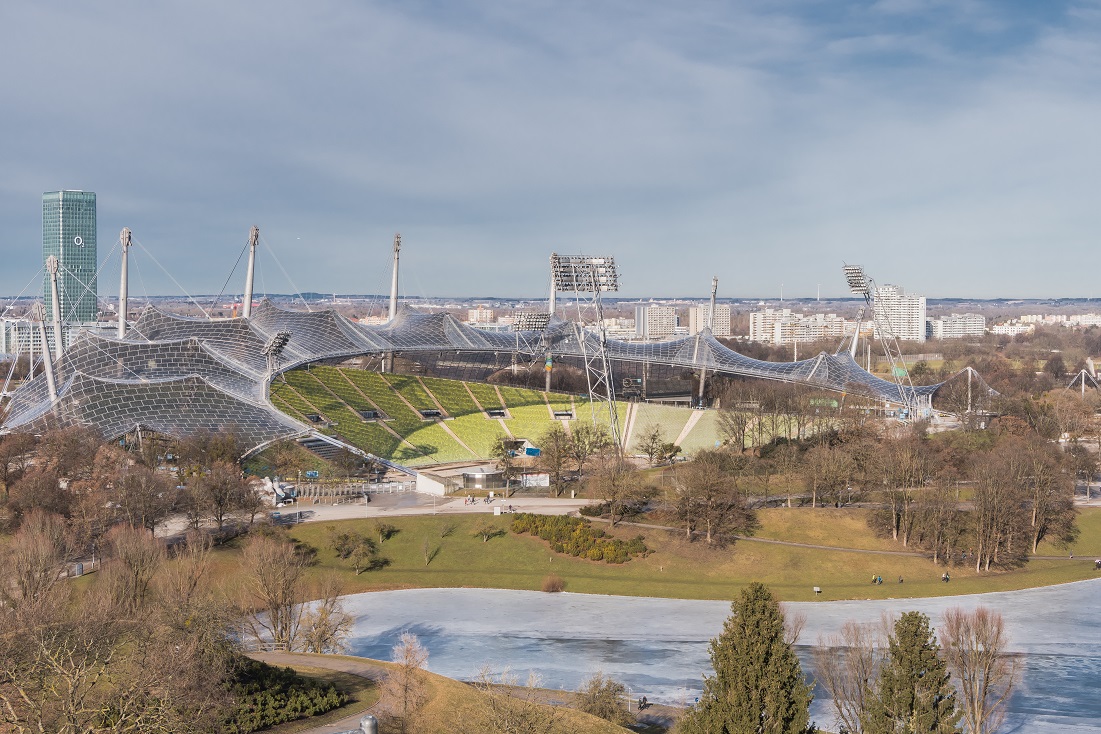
(785, 327)
(1012, 328)
(956, 326)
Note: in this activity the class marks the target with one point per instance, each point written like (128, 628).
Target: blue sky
(949, 146)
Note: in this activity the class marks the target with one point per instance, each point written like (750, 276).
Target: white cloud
(768, 142)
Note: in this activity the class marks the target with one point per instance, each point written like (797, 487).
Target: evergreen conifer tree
(758, 686)
(914, 694)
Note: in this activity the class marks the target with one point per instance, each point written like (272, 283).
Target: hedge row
(267, 695)
(579, 538)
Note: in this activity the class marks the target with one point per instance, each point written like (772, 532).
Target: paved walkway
(404, 503)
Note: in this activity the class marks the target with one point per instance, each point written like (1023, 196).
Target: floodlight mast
(862, 285)
(580, 274)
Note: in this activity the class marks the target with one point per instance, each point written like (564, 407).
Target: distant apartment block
(1062, 319)
(21, 335)
(1012, 328)
(904, 312)
(655, 322)
(956, 326)
(698, 317)
(618, 328)
(784, 327)
(480, 315)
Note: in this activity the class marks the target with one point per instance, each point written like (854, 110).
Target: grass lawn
(676, 568)
(1089, 538)
(452, 701)
(846, 528)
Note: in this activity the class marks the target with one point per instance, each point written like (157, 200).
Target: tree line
(901, 676)
(988, 498)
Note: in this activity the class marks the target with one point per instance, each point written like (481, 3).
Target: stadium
(381, 390)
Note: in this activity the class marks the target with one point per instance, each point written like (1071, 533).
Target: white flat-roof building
(956, 326)
(785, 327)
(1012, 328)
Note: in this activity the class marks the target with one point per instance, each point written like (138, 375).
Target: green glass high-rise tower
(69, 234)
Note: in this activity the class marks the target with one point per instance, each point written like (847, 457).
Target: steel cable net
(180, 375)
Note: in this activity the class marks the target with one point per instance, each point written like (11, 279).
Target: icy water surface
(658, 647)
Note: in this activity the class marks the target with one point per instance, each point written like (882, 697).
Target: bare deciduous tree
(511, 708)
(554, 453)
(273, 570)
(650, 442)
(708, 498)
(587, 439)
(326, 625)
(405, 687)
(35, 556)
(847, 663)
(144, 496)
(135, 560)
(973, 644)
(618, 486)
(220, 492)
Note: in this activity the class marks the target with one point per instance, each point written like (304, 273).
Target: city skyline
(945, 146)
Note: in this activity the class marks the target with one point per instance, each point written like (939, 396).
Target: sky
(949, 146)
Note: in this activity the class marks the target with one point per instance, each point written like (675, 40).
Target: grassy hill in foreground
(678, 569)
(450, 701)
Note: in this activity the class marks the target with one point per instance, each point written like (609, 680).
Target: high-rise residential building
(905, 312)
(655, 322)
(697, 319)
(69, 234)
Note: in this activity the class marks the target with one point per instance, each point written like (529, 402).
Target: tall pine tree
(758, 686)
(913, 694)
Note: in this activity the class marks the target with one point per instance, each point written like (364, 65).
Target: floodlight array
(530, 322)
(858, 282)
(583, 274)
(277, 343)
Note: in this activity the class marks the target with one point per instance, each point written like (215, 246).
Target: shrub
(578, 538)
(267, 695)
(553, 584)
(593, 510)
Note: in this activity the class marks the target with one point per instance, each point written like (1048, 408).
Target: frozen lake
(659, 646)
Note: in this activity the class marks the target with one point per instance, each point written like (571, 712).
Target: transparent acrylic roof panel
(181, 375)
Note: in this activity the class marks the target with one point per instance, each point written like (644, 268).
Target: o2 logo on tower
(78, 241)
